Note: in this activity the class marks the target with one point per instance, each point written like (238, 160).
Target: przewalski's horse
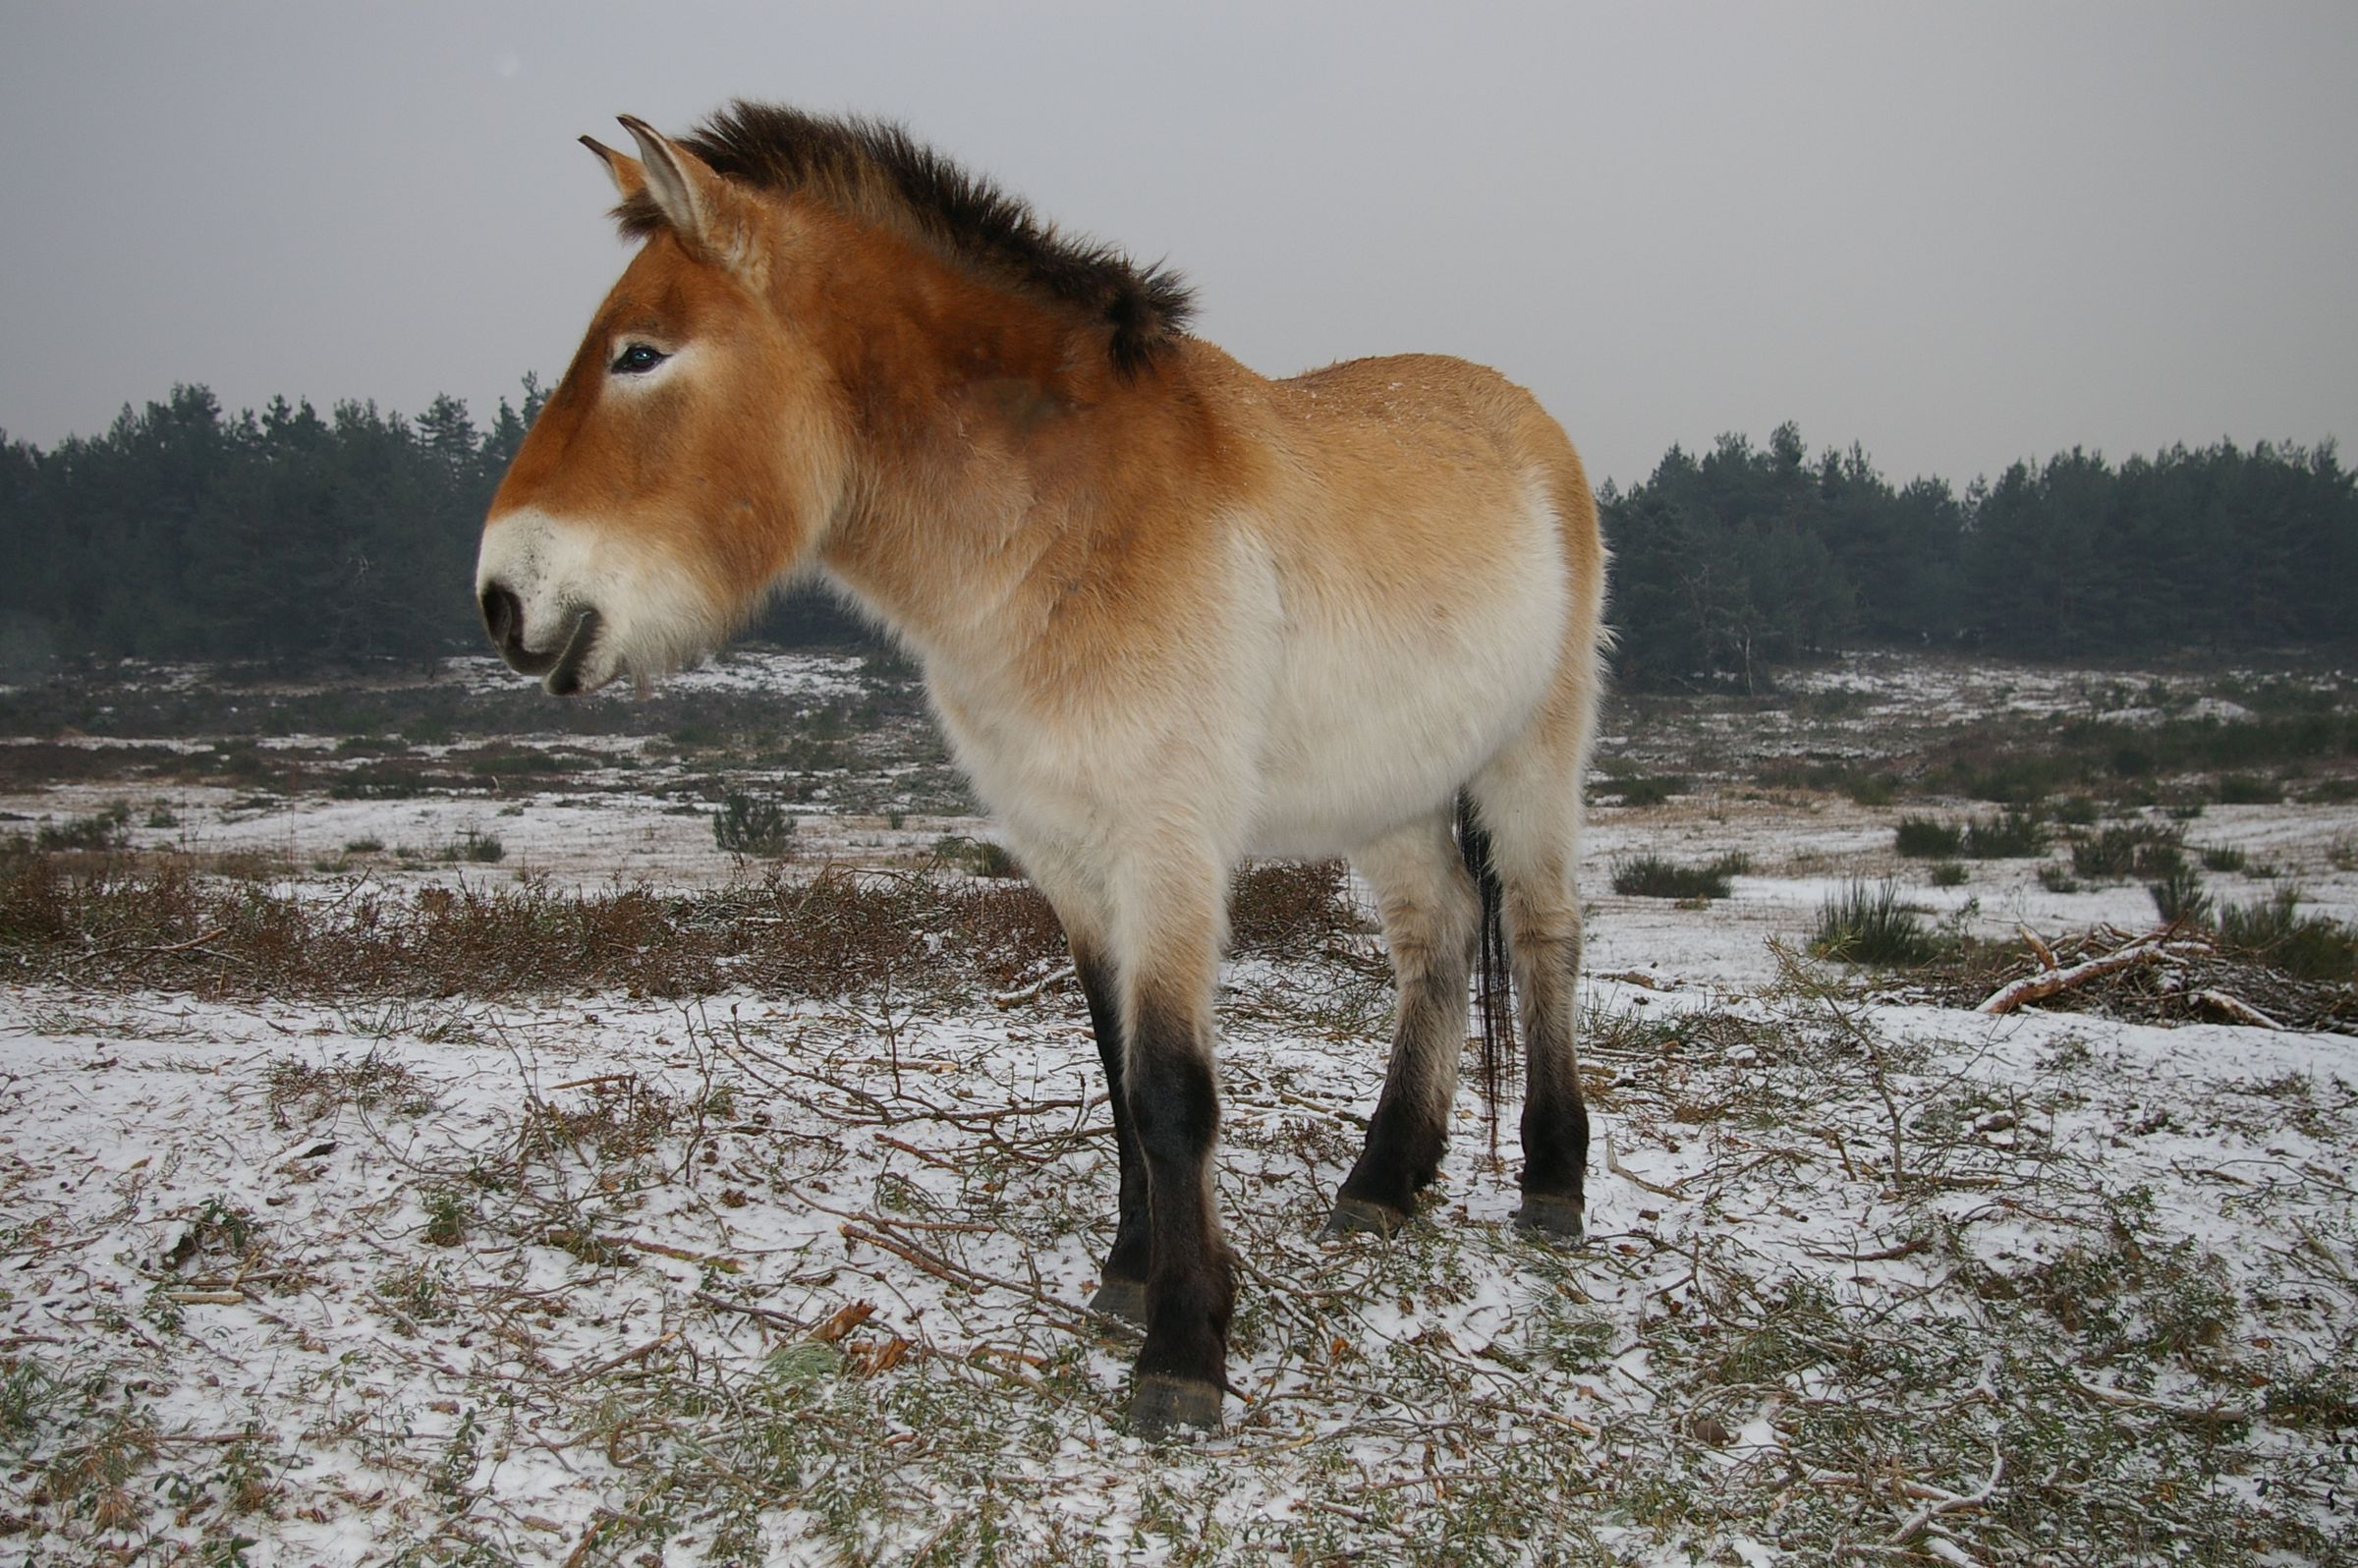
(1170, 613)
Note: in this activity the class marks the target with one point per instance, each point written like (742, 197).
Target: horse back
(1422, 467)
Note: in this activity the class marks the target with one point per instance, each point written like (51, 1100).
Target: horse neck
(983, 450)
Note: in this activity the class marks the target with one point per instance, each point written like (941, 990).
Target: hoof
(1552, 1218)
(1125, 1299)
(1161, 1405)
(1355, 1216)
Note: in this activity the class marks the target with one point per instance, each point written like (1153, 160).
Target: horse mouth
(565, 671)
(558, 668)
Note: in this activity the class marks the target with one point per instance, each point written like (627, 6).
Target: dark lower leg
(1191, 1289)
(1430, 913)
(1555, 1119)
(1123, 1279)
(1409, 1127)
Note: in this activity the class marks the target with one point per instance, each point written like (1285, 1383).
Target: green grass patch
(477, 848)
(1926, 838)
(2007, 836)
(977, 857)
(1640, 789)
(2273, 931)
(2076, 811)
(102, 831)
(2223, 858)
(1652, 876)
(1866, 788)
(2244, 789)
(752, 824)
(1866, 923)
(2178, 897)
(2129, 850)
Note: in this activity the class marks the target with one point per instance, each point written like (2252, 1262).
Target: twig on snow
(1025, 994)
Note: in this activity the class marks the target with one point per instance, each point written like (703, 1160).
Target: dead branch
(598, 1367)
(2237, 1010)
(2154, 948)
(602, 1078)
(1612, 1162)
(1025, 994)
(2208, 1415)
(766, 1315)
(1941, 1505)
(971, 1278)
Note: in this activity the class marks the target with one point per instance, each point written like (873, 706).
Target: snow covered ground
(601, 1278)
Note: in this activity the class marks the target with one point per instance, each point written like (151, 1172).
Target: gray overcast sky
(1957, 236)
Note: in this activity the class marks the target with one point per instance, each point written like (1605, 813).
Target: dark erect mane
(878, 172)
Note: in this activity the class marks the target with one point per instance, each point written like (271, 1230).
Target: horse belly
(1369, 731)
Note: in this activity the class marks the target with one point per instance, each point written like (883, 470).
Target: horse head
(691, 456)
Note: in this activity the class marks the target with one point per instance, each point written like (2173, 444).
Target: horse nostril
(503, 616)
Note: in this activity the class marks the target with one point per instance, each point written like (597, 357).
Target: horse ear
(629, 178)
(691, 196)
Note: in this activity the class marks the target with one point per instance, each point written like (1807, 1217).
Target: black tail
(1493, 1001)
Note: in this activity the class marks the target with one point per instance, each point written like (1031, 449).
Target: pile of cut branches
(2171, 974)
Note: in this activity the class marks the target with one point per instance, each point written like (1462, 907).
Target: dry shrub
(1285, 907)
(529, 937)
(51, 901)
(617, 1119)
(160, 924)
(841, 931)
(848, 930)
(1008, 928)
(36, 765)
(314, 1089)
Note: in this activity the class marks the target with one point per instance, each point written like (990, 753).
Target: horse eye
(638, 360)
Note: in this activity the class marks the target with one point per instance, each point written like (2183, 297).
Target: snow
(797, 675)
(129, 1114)
(362, 1357)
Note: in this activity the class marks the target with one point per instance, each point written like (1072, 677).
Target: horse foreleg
(1122, 1288)
(1167, 966)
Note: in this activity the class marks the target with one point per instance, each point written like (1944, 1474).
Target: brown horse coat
(1170, 613)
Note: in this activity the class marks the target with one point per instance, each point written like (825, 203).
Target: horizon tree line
(299, 541)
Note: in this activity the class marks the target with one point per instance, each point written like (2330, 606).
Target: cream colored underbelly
(1363, 738)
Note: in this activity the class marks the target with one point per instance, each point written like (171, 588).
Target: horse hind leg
(1431, 911)
(1529, 801)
